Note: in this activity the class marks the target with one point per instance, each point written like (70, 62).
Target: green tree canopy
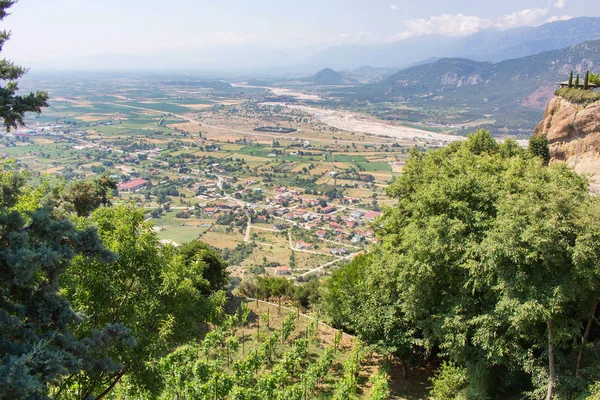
(490, 261)
(161, 294)
(538, 146)
(37, 244)
(214, 269)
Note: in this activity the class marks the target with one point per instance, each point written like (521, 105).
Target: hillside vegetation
(512, 93)
(487, 269)
(578, 96)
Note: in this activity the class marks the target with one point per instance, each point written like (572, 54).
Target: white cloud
(365, 34)
(445, 24)
(529, 17)
(560, 3)
(464, 25)
(394, 7)
(559, 18)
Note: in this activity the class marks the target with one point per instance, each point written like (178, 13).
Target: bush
(538, 146)
(583, 97)
(595, 392)
(380, 389)
(450, 383)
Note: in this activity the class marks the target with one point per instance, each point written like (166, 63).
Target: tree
(586, 81)
(538, 147)
(571, 80)
(214, 270)
(150, 289)
(84, 197)
(577, 82)
(37, 243)
(595, 78)
(488, 261)
(12, 106)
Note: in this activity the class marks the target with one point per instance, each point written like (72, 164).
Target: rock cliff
(573, 133)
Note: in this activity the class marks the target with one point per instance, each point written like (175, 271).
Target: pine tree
(577, 82)
(571, 80)
(14, 107)
(38, 347)
(586, 82)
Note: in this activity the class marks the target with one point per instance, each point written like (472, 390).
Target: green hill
(328, 76)
(512, 92)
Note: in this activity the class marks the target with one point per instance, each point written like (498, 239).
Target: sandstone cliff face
(574, 136)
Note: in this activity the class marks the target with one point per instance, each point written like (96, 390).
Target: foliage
(150, 289)
(586, 81)
(488, 260)
(82, 198)
(38, 345)
(582, 97)
(594, 78)
(594, 392)
(266, 372)
(12, 106)
(449, 383)
(347, 386)
(571, 80)
(380, 389)
(538, 146)
(214, 269)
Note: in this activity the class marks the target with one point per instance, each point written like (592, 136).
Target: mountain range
(511, 94)
(487, 45)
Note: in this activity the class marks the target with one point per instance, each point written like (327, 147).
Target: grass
(179, 234)
(345, 158)
(164, 107)
(375, 166)
(256, 151)
(178, 230)
(579, 96)
(222, 240)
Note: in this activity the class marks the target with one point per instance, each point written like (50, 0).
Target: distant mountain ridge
(521, 86)
(487, 45)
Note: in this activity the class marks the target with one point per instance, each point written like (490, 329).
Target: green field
(345, 158)
(375, 166)
(164, 107)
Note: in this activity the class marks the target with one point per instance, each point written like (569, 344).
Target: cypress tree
(571, 80)
(586, 82)
(577, 82)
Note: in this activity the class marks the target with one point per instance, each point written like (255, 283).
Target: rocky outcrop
(573, 133)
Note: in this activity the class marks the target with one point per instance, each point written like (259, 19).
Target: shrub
(450, 383)
(578, 96)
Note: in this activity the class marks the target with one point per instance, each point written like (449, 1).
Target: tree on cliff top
(12, 106)
(571, 80)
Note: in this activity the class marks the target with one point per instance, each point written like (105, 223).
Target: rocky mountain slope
(513, 92)
(573, 133)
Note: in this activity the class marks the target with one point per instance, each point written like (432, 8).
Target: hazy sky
(62, 29)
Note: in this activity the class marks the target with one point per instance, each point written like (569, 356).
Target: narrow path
(247, 236)
(312, 271)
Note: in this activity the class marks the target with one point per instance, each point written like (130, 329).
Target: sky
(46, 32)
